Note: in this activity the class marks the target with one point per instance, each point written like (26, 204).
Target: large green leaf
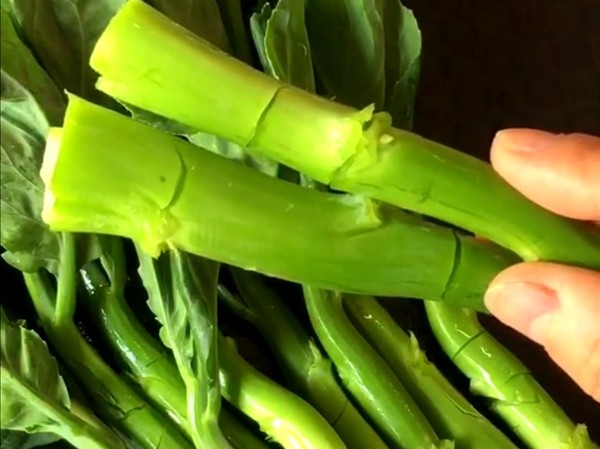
(201, 17)
(402, 62)
(348, 47)
(234, 151)
(31, 386)
(18, 62)
(10, 439)
(62, 35)
(29, 243)
(35, 398)
(258, 30)
(287, 46)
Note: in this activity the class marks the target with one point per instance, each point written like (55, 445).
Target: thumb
(557, 171)
(558, 307)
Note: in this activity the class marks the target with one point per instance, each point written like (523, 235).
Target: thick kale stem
(164, 192)
(144, 59)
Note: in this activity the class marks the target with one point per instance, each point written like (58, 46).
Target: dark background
(488, 65)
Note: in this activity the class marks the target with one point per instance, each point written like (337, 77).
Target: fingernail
(525, 140)
(522, 305)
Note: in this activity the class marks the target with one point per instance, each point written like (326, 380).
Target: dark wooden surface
(489, 65)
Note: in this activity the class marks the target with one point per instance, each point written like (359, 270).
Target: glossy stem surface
(305, 368)
(370, 380)
(498, 375)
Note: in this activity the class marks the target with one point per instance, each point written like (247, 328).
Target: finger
(558, 307)
(560, 172)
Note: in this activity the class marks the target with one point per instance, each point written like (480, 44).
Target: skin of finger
(571, 332)
(562, 174)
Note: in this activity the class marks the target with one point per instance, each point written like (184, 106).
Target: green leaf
(18, 62)
(195, 288)
(182, 293)
(258, 30)
(201, 17)
(287, 47)
(29, 243)
(236, 152)
(10, 439)
(348, 48)
(402, 62)
(33, 392)
(62, 35)
(34, 395)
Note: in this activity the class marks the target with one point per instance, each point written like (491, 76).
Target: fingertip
(557, 171)
(558, 307)
(521, 140)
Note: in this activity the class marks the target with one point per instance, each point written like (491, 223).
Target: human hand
(555, 305)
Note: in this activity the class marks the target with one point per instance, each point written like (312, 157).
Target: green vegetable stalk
(147, 61)
(148, 363)
(451, 415)
(282, 415)
(151, 367)
(499, 376)
(367, 377)
(182, 294)
(113, 398)
(161, 192)
(305, 368)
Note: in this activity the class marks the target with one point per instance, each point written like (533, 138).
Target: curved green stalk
(499, 376)
(162, 191)
(66, 283)
(147, 61)
(282, 415)
(449, 412)
(304, 367)
(114, 399)
(367, 377)
(150, 365)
